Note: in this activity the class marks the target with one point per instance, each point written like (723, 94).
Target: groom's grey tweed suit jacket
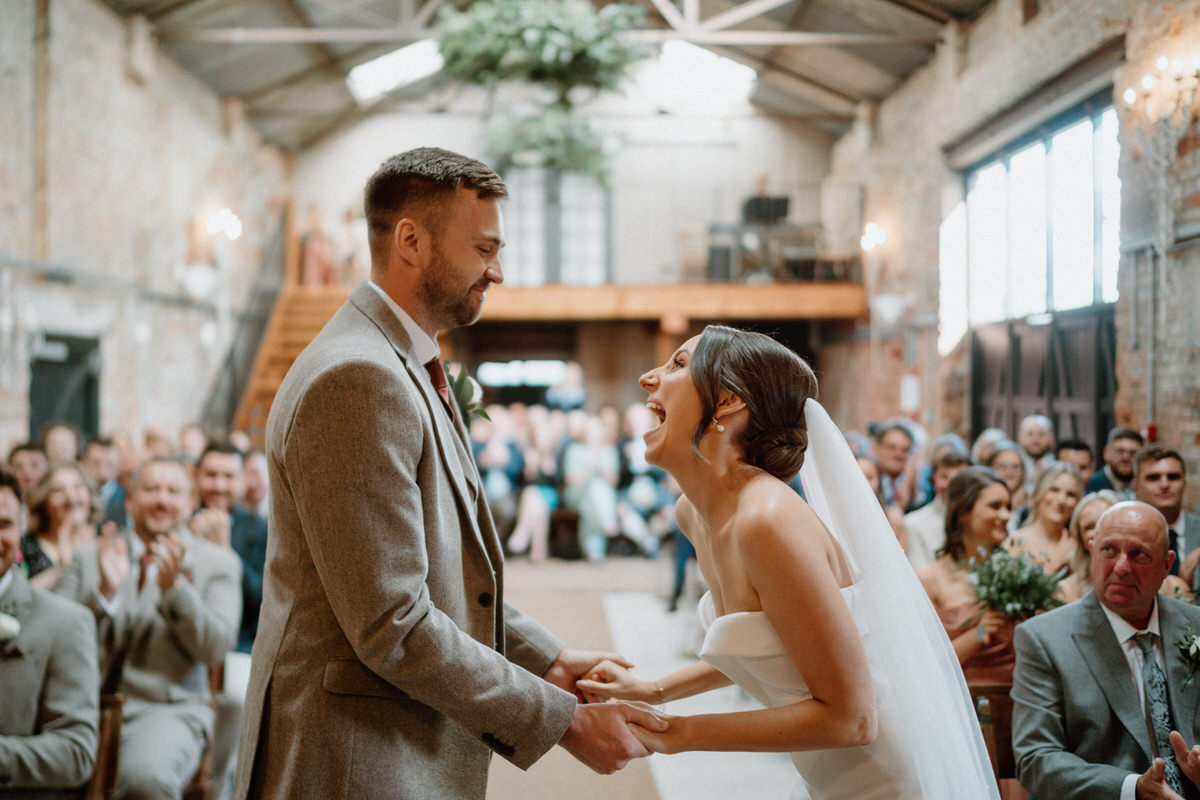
(387, 664)
(1078, 728)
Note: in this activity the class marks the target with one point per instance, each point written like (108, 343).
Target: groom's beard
(451, 304)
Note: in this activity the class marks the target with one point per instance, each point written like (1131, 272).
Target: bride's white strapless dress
(745, 647)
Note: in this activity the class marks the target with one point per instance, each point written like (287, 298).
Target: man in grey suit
(167, 604)
(49, 682)
(1101, 683)
(387, 663)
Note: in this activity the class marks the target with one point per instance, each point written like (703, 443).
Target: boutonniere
(1189, 648)
(10, 629)
(467, 392)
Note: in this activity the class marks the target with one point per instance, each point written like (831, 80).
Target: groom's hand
(571, 665)
(600, 737)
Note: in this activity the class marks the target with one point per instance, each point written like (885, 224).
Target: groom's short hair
(415, 183)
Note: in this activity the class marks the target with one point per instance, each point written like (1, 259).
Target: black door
(1065, 369)
(65, 384)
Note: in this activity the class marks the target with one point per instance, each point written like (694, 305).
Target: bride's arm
(609, 681)
(785, 553)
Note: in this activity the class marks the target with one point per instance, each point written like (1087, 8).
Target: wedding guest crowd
(563, 481)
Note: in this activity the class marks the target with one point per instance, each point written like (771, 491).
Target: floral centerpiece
(1014, 585)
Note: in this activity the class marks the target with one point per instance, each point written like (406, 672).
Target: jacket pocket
(350, 677)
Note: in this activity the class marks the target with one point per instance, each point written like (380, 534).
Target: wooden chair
(108, 750)
(993, 707)
(201, 786)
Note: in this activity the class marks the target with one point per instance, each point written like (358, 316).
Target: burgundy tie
(438, 376)
(146, 560)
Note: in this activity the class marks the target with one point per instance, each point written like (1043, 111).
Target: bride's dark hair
(773, 381)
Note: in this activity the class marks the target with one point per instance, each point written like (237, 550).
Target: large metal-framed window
(1039, 229)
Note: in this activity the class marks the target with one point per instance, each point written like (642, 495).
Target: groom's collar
(423, 347)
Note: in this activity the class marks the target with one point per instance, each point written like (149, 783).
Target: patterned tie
(1156, 704)
(438, 376)
(1173, 541)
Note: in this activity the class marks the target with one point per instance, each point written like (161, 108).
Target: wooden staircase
(299, 315)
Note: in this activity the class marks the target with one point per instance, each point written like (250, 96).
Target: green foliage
(560, 43)
(554, 138)
(1014, 585)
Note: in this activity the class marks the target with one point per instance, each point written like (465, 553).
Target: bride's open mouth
(658, 413)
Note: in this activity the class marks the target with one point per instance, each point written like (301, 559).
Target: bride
(812, 607)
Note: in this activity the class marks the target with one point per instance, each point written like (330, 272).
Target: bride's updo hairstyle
(773, 381)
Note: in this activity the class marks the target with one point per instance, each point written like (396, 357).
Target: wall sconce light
(873, 236)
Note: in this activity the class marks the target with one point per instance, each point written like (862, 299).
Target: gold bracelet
(662, 698)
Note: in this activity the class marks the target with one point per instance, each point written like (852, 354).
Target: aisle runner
(659, 643)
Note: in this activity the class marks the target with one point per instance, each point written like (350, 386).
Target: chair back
(993, 707)
(108, 752)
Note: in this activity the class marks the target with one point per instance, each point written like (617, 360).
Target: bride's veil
(927, 706)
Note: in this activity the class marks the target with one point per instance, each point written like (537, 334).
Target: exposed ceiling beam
(312, 73)
(925, 9)
(671, 14)
(412, 34)
(157, 12)
(424, 16)
(322, 52)
(813, 91)
(741, 13)
(891, 17)
(779, 38)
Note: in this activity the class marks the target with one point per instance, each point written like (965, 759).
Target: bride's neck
(713, 487)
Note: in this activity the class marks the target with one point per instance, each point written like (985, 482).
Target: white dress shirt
(1125, 634)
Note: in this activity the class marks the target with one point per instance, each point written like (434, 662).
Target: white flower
(10, 628)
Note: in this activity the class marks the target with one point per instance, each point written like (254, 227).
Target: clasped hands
(112, 552)
(604, 736)
(1152, 784)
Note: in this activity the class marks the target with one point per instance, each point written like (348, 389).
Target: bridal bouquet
(1013, 584)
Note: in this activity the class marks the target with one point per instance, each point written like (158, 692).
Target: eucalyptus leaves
(567, 46)
(1014, 585)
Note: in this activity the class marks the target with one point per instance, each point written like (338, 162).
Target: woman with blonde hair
(1044, 538)
(63, 510)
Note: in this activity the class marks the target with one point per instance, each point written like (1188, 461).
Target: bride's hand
(655, 741)
(611, 681)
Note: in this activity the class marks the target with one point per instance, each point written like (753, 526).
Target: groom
(387, 663)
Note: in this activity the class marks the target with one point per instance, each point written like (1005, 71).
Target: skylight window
(375, 78)
(685, 76)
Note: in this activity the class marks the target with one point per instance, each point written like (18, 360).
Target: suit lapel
(18, 602)
(456, 458)
(1183, 689)
(1098, 646)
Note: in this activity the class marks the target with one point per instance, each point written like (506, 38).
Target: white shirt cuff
(1129, 786)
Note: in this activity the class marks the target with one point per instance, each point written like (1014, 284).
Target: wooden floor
(568, 598)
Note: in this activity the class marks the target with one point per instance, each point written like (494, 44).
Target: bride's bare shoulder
(772, 508)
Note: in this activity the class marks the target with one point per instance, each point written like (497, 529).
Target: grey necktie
(1156, 705)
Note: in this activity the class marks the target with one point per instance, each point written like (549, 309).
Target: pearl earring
(720, 427)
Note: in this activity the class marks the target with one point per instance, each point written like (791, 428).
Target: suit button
(485, 599)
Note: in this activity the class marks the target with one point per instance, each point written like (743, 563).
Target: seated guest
(925, 528)
(1101, 683)
(976, 522)
(102, 460)
(257, 485)
(220, 481)
(63, 513)
(1035, 435)
(892, 448)
(1120, 448)
(1082, 529)
(166, 606)
(29, 464)
(51, 685)
(61, 441)
(1044, 539)
(1078, 454)
(1006, 461)
(1160, 480)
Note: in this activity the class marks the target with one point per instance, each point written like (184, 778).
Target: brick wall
(895, 153)
(129, 161)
